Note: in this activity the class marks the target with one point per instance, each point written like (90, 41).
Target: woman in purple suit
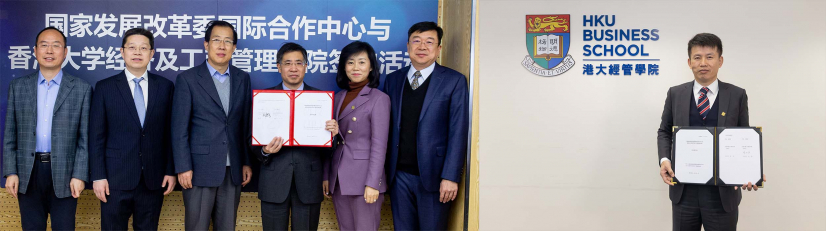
(354, 176)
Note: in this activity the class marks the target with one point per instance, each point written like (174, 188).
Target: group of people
(138, 135)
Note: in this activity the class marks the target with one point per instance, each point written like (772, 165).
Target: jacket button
(349, 131)
(225, 142)
(354, 119)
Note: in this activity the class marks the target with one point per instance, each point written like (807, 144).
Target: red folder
(292, 94)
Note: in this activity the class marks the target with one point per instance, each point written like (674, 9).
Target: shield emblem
(548, 38)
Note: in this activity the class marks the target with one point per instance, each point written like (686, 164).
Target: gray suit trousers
(217, 203)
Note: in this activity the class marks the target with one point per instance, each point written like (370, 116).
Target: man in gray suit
(705, 102)
(211, 133)
(45, 157)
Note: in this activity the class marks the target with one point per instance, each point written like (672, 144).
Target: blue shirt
(215, 74)
(46, 96)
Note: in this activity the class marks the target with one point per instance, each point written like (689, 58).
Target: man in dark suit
(428, 134)
(291, 177)
(45, 156)
(211, 133)
(705, 102)
(130, 145)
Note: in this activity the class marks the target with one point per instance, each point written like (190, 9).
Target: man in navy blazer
(211, 133)
(428, 134)
(130, 149)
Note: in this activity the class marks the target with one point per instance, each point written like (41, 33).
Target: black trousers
(274, 216)
(39, 202)
(701, 206)
(142, 204)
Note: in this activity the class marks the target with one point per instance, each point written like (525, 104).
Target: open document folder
(299, 117)
(723, 156)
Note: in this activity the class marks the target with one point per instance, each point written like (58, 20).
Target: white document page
(312, 111)
(694, 156)
(270, 117)
(740, 156)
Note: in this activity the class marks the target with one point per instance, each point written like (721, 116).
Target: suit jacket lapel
(723, 100)
(683, 105)
(339, 100)
(435, 83)
(128, 99)
(65, 88)
(360, 99)
(31, 89)
(236, 94)
(152, 96)
(206, 82)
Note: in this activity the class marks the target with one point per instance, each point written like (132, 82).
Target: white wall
(577, 152)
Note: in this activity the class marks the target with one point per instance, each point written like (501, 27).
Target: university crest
(548, 38)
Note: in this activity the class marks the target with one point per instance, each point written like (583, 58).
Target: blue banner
(94, 32)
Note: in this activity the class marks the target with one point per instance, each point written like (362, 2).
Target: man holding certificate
(298, 117)
(704, 102)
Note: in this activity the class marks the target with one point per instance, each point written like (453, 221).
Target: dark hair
(425, 26)
(290, 47)
(705, 40)
(139, 31)
(354, 48)
(51, 28)
(215, 23)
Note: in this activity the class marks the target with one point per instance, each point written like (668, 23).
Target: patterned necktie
(415, 83)
(704, 104)
(139, 103)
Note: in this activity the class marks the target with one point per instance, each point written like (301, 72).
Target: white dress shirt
(425, 73)
(144, 86)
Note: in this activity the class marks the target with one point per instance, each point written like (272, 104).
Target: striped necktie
(704, 104)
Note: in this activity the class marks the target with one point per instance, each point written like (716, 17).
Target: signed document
(722, 156)
(740, 156)
(694, 156)
(299, 117)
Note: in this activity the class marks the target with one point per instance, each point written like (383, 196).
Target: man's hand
(185, 179)
(666, 173)
(274, 146)
(370, 194)
(11, 185)
(77, 186)
(448, 191)
(332, 126)
(168, 182)
(325, 185)
(101, 188)
(749, 186)
(247, 173)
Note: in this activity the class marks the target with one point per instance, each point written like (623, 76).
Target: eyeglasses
(290, 64)
(55, 46)
(226, 42)
(134, 48)
(417, 42)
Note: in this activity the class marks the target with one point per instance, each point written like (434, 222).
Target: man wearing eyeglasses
(130, 149)
(45, 156)
(291, 176)
(211, 133)
(428, 134)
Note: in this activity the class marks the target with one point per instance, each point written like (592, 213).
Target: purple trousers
(354, 213)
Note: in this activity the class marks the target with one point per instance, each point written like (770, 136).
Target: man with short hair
(45, 156)
(291, 177)
(705, 102)
(211, 133)
(428, 134)
(130, 144)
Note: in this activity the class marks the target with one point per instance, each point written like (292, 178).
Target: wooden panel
(455, 20)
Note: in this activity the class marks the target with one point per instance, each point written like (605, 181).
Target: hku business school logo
(548, 38)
